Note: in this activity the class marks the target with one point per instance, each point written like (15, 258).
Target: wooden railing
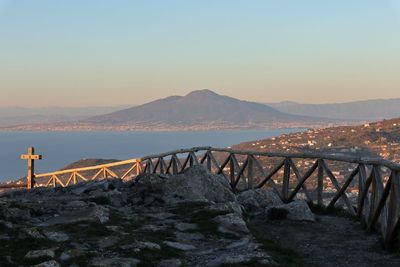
(370, 190)
(364, 187)
(89, 173)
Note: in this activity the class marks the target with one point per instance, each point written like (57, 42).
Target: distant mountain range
(199, 107)
(198, 110)
(369, 110)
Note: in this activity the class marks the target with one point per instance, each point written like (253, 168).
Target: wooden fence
(90, 173)
(370, 190)
(366, 188)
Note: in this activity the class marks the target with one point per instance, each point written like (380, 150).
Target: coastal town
(371, 140)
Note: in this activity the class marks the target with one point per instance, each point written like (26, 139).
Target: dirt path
(331, 241)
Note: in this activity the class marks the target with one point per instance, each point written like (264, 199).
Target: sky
(117, 52)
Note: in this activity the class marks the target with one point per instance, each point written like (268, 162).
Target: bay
(61, 148)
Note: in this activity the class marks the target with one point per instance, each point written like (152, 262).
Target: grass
(286, 257)
(197, 213)
(135, 233)
(16, 249)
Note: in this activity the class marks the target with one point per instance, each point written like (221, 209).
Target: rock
(57, 236)
(75, 204)
(244, 242)
(72, 254)
(229, 207)
(170, 263)
(30, 233)
(161, 215)
(185, 226)
(196, 184)
(6, 224)
(154, 228)
(194, 214)
(34, 254)
(147, 245)
(51, 263)
(104, 185)
(231, 223)
(108, 241)
(179, 246)
(297, 211)
(147, 188)
(5, 237)
(97, 213)
(114, 228)
(255, 201)
(101, 213)
(239, 259)
(114, 262)
(188, 237)
(113, 198)
(230, 259)
(16, 214)
(138, 246)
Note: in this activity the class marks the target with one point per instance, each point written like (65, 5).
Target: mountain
(369, 110)
(202, 107)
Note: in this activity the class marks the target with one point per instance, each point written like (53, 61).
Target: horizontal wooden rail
(100, 171)
(90, 168)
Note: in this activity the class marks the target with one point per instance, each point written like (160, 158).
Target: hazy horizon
(121, 105)
(112, 53)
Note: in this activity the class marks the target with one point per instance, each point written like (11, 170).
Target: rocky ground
(331, 241)
(191, 219)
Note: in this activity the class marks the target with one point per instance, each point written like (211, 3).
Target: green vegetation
(284, 256)
(15, 249)
(198, 213)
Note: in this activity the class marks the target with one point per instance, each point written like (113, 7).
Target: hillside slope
(378, 139)
(368, 110)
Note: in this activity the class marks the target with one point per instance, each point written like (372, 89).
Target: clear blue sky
(97, 52)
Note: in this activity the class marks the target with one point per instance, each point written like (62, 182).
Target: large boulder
(256, 201)
(195, 184)
(297, 211)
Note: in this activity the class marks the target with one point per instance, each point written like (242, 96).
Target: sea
(62, 148)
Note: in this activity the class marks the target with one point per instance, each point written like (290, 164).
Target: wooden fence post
(320, 186)
(286, 180)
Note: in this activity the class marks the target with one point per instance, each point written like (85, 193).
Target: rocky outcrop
(190, 219)
(256, 201)
(195, 184)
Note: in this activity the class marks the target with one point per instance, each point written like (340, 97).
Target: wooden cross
(31, 157)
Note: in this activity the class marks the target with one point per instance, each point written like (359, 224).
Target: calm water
(61, 148)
